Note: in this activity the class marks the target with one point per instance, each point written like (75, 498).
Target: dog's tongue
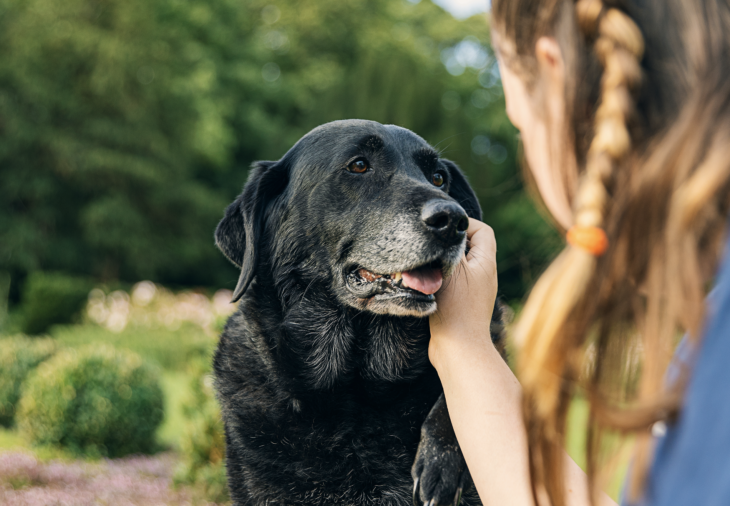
(425, 280)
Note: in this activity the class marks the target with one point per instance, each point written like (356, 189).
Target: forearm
(483, 399)
(484, 403)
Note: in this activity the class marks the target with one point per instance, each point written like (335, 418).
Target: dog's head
(370, 208)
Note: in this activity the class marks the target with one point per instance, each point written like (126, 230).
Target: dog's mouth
(419, 283)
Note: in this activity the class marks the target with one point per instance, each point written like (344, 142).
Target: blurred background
(126, 127)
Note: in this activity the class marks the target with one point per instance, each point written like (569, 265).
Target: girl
(624, 113)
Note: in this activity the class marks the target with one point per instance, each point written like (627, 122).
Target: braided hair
(655, 186)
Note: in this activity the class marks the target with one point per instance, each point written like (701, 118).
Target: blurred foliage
(202, 445)
(175, 386)
(170, 349)
(18, 357)
(51, 298)
(127, 125)
(4, 296)
(169, 328)
(97, 401)
(525, 245)
(150, 306)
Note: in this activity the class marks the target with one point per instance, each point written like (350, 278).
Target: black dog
(323, 373)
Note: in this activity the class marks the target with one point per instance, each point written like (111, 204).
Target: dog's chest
(352, 443)
(358, 452)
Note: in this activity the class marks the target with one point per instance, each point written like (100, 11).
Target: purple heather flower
(131, 481)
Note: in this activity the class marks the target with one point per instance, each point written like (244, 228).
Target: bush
(203, 440)
(96, 401)
(18, 357)
(50, 298)
(171, 349)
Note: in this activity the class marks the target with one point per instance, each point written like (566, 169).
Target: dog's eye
(358, 166)
(437, 179)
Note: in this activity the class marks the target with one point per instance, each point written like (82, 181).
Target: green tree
(126, 126)
(101, 132)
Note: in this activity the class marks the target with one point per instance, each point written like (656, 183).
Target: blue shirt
(692, 461)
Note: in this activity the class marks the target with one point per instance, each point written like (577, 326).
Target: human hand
(466, 300)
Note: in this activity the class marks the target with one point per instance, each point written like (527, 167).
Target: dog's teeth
(368, 276)
(396, 276)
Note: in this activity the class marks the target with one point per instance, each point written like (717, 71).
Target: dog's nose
(446, 219)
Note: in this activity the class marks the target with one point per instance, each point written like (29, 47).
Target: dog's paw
(440, 475)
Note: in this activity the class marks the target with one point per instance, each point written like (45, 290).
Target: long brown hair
(649, 100)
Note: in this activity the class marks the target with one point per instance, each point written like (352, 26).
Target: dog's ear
(239, 232)
(460, 190)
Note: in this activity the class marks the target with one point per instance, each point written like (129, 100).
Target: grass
(171, 349)
(175, 385)
(575, 445)
(575, 442)
(11, 440)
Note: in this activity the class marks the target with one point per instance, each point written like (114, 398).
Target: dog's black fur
(323, 378)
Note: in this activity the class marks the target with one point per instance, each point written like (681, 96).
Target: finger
(474, 226)
(481, 240)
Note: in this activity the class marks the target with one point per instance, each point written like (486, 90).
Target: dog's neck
(322, 345)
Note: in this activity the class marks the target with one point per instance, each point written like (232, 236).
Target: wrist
(451, 345)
